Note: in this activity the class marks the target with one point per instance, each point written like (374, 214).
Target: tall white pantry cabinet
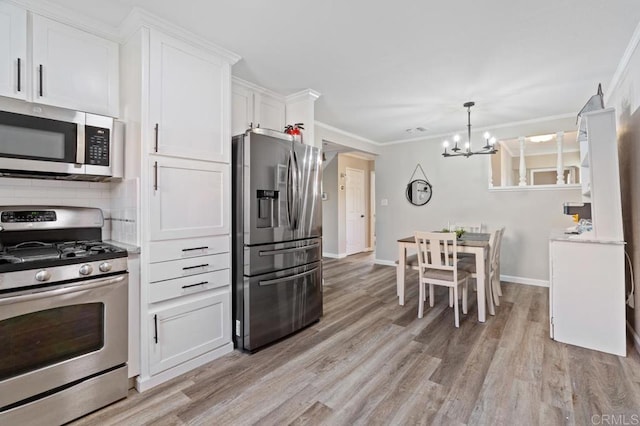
(176, 101)
(587, 271)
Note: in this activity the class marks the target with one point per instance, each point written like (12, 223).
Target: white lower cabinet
(184, 331)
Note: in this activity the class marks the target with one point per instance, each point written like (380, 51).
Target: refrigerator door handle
(287, 250)
(288, 278)
(296, 189)
(293, 193)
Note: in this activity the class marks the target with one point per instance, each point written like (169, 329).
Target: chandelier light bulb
(445, 144)
(467, 145)
(486, 135)
(492, 141)
(456, 138)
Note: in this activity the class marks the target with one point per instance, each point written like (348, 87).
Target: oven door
(42, 144)
(55, 337)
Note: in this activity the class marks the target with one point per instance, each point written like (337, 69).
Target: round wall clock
(419, 192)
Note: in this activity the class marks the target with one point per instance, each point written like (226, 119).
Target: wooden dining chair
(469, 265)
(438, 265)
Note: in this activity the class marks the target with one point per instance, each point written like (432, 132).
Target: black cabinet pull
(19, 77)
(156, 132)
(155, 176)
(196, 248)
(186, 268)
(155, 327)
(195, 285)
(40, 79)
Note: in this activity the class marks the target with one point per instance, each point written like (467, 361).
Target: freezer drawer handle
(289, 250)
(285, 279)
(204, 265)
(195, 285)
(196, 248)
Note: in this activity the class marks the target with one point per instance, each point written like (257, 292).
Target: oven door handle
(44, 293)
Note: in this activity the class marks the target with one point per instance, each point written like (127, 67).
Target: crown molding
(252, 86)
(624, 61)
(345, 133)
(303, 95)
(69, 17)
(484, 129)
(360, 155)
(141, 18)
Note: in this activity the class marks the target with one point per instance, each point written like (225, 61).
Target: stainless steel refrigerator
(277, 237)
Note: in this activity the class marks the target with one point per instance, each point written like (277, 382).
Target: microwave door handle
(80, 146)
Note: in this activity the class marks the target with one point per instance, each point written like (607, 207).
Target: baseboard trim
(368, 249)
(523, 280)
(635, 336)
(334, 255)
(146, 383)
(385, 262)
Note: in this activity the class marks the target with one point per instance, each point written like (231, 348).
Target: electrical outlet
(384, 202)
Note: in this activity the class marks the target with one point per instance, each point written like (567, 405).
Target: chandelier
(456, 151)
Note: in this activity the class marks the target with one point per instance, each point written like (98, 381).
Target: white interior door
(355, 206)
(372, 209)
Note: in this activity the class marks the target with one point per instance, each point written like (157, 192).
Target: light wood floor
(371, 361)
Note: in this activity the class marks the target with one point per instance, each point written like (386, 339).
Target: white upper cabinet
(13, 51)
(241, 110)
(73, 69)
(188, 91)
(269, 112)
(188, 198)
(253, 106)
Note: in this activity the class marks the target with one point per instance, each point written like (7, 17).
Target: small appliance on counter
(63, 315)
(581, 213)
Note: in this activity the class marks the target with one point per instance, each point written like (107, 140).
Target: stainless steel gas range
(63, 315)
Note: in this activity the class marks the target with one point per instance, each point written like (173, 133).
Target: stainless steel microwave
(47, 142)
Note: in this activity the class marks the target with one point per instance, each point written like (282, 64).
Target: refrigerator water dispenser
(268, 213)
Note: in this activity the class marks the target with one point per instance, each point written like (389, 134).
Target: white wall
(330, 208)
(461, 194)
(625, 98)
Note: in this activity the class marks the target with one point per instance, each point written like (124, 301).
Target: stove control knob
(43, 275)
(105, 267)
(86, 269)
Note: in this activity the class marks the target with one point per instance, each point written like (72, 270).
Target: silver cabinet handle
(155, 328)
(40, 92)
(195, 285)
(287, 250)
(155, 176)
(285, 279)
(289, 189)
(19, 77)
(156, 132)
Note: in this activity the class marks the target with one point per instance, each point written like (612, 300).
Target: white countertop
(128, 247)
(585, 237)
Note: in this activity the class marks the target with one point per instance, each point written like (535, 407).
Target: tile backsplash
(124, 212)
(18, 191)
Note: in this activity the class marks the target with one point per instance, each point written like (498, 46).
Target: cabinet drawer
(187, 267)
(183, 332)
(177, 287)
(162, 251)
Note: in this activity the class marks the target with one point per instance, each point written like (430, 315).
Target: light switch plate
(384, 202)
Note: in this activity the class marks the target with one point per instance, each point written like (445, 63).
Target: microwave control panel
(96, 146)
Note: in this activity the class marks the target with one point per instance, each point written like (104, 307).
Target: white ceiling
(383, 67)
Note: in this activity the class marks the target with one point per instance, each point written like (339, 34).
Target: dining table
(476, 243)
